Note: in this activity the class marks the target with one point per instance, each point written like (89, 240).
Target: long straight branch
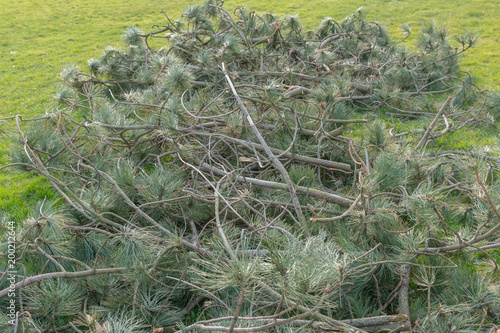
(281, 153)
(431, 126)
(330, 197)
(279, 166)
(55, 275)
(404, 292)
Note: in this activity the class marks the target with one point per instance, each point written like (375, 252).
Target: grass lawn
(40, 37)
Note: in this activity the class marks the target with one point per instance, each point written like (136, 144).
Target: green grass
(41, 36)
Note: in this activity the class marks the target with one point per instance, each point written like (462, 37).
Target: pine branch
(423, 141)
(279, 166)
(279, 153)
(70, 275)
(280, 186)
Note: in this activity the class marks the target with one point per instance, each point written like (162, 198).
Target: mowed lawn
(39, 37)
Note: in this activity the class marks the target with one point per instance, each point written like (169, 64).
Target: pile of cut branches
(253, 176)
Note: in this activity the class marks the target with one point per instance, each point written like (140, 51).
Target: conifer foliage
(252, 176)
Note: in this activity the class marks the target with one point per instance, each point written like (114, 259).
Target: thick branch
(280, 186)
(431, 126)
(56, 275)
(281, 153)
(274, 160)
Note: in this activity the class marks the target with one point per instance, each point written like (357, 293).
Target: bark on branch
(55, 275)
(330, 197)
(279, 166)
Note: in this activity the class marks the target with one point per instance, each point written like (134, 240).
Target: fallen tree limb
(56, 275)
(395, 323)
(279, 166)
(281, 153)
(280, 186)
(404, 291)
(433, 123)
